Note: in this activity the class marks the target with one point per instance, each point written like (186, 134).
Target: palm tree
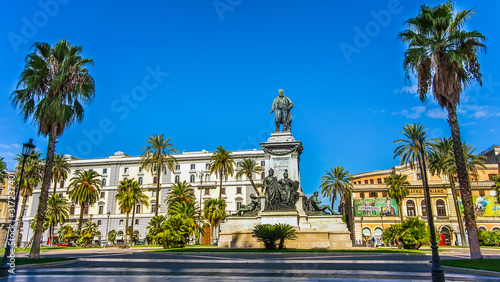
(88, 232)
(60, 170)
(52, 89)
(398, 189)
(3, 168)
(155, 226)
(155, 157)
(248, 168)
(214, 211)
(473, 162)
(180, 192)
(66, 233)
(188, 210)
(126, 200)
(33, 175)
(445, 56)
(337, 181)
(138, 197)
(84, 190)
(57, 212)
(222, 164)
(496, 185)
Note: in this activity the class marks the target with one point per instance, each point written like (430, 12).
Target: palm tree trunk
(44, 195)
(30, 241)
(21, 214)
(51, 234)
(400, 206)
(331, 200)
(254, 187)
(126, 228)
(457, 210)
(55, 186)
(463, 180)
(220, 190)
(349, 215)
(132, 226)
(82, 207)
(158, 189)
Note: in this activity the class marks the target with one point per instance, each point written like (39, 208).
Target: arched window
(424, 208)
(378, 232)
(410, 208)
(140, 180)
(138, 208)
(101, 208)
(86, 209)
(121, 222)
(207, 177)
(440, 208)
(262, 175)
(72, 209)
(191, 178)
(155, 180)
(119, 235)
(99, 222)
(177, 178)
(103, 182)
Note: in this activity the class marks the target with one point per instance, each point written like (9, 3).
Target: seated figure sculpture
(254, 205)
(314, 204)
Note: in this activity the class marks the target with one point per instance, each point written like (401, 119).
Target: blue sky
(204, 73)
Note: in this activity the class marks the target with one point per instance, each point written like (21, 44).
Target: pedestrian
(374, 242)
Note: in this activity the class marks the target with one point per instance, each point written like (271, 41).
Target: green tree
(222, 164)
(175, 231)
(496, 185)
(180, 192)
(84, 190)
(156, 157)
(32, 176)
(57, 212)
(398, 189)
(138, 198)
(337, 181)
(60, 169)
(87, 233)
(214, 212)
(52, 89)
(444, 58)
(112, 236)
(411, 233)
(286, 232)
(67, 233)
(126, 201)
(248, 168)
(3, 168)
(191, 212)
(473, 163)
(155, 227)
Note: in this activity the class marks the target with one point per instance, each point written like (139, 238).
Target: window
(72, 209)
(481, 193)
(441, 208)
(373, 195)
(140, 169)
(138, 208)
(238, 164)
(207, 166)
(99, 222)
(379, 180)
(410, 208)
(238, 190)
(86, 209)
(125, 170)
(121, 222)
(177, 167)
(491, 175)
(101, 209)
(262, 175)
(366, 181)
(371, 181)
(155, 180)
(384, 194)
(238, 205)
(140, 180)
(191, 178)
(362, 194)
(207, 177)
(419, 176)
(154, 193)
(223, 190)
(153, 207)
(104, 182)
(424, 208)
(262, 163)
(103, 194)
(359, 182)
(154, 168)
(207, 191)
(91, 170)
(193, 166)
(62, 184)
(177, 178)
(104, 170)
(136, 222)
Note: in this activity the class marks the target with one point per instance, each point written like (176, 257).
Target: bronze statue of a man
(281, 108)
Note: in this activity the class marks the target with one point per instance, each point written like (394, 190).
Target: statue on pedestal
(250, 208)
(313, 205)
(281, 108)
(282, 194)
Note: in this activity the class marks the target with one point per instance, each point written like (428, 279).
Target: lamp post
(437, 269)
(107, 227)
(10, 239)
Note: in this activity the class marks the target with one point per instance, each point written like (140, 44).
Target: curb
(468, 271)
(47, 264)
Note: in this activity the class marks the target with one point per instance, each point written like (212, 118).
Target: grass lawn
(227, 250)
(481, 264)
(21, 261)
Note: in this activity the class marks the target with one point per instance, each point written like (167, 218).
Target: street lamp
(10, 239)
(437, 269)
(107, 227)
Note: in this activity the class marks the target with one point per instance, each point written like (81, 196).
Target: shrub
(491, 238)
(411, 234)
(270, 233)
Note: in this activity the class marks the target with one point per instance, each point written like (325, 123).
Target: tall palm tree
(33, 175)
(222, 164)
(337, 181)
(473, 162)
(138, 197)
(214, 211)
(60, 170)
(3, 168)
(180, 192)
(52, 89)
(398, 189)
(248, 168)
(57, 212)
(126, 200)
(444, 57)
(156, 157)
(84, 190)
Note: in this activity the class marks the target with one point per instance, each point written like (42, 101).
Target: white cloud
(16, 146)
(414, 112)
(412, 90)
(492, 130)
(3, 146)
(437, 113)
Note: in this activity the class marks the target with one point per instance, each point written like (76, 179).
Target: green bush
(175, 232)
(411, 234)
(486, 238)
(270, 233)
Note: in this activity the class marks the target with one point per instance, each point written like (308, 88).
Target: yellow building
(5, 189)
(374, 211)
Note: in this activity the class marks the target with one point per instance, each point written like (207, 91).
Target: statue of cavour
(281, 108)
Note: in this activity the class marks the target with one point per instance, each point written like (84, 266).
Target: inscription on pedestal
(280, 164)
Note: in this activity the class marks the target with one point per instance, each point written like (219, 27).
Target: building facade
(192, 167)
(374, 210)
(6, 190)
